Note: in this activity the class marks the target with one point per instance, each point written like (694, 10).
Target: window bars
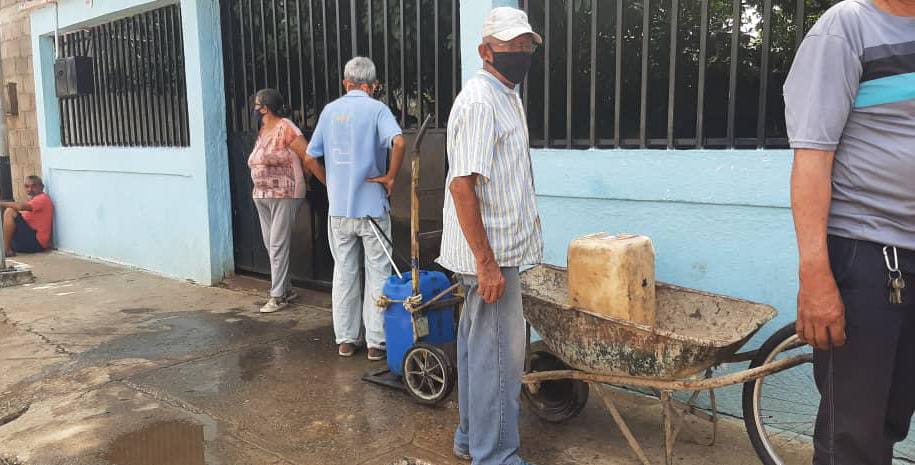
(139, 95)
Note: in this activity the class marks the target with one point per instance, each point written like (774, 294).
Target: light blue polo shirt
(353, 135)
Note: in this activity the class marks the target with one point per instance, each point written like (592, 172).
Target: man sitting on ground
(27, 225)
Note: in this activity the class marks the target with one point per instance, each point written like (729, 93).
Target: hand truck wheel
(428, 374)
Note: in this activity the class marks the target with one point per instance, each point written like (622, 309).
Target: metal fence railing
(139, 96)
(663, 73)
(299, 47)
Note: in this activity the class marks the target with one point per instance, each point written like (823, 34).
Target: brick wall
(16, 61)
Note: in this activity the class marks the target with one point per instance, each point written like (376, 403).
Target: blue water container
(398, 323)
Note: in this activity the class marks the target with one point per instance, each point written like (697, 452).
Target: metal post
(2, 246)
(5, 176)
(414, 204)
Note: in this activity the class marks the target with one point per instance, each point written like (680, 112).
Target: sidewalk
(121, 366)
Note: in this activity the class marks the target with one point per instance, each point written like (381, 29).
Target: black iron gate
(299, 47)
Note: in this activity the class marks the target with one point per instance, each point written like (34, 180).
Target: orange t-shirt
(40, 218)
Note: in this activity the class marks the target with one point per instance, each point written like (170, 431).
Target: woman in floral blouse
(279, 168)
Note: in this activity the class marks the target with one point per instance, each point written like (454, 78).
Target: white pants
(351, 239)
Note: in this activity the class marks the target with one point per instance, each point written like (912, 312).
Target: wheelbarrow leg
(527, 347)
(714, 405)
(621, 424)
(670, 432)
(681, 410)
(678, 413)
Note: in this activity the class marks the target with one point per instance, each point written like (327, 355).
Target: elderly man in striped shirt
(491, 228)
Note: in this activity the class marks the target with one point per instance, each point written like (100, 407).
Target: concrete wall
(163, 209)
(16, 65)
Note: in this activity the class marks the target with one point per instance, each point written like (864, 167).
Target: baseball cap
(505, 23)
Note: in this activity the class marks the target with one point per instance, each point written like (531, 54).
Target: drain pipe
(2, 248)
(6, 182)
(27, 5)
(4, 153)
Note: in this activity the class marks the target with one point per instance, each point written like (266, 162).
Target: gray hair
(359, 70)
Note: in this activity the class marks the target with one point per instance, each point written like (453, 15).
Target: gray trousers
(490, 362)
(277, 218)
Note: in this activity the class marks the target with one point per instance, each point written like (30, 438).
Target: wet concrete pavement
(118, 366)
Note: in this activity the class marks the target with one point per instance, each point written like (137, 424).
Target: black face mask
(513, 65)
(258, 116)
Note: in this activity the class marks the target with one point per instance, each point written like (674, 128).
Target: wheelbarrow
(695, 332)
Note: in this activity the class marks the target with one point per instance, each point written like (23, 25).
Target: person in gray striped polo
(491, 228)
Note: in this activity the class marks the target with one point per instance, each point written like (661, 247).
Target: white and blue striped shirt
(487, 135)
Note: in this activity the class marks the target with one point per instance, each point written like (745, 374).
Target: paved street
(108, 364)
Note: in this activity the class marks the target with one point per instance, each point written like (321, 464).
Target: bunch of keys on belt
(895, 281)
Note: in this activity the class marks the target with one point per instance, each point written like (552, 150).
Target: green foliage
(748, 28)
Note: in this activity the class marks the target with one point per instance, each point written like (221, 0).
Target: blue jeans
(353, 245)
(25, 239)
(490, 363)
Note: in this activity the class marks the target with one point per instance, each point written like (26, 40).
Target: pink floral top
(276, 170)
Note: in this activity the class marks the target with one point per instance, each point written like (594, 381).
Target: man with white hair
(491, 228)
(353, 135)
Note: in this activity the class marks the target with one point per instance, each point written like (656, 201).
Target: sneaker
(347, 349)
(273, 305)
(376, 354)
(291, 295)
(463, 455)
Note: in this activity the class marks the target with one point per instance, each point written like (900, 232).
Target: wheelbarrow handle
(422, 133)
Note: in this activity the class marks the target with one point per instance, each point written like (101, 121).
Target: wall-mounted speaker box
(73, 76)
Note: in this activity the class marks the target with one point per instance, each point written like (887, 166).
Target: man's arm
(300, 147)
(398, 147)
(18, 206)
(467, 206)
(820, 311)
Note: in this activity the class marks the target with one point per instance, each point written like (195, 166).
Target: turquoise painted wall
(720, 220)
(163, 209)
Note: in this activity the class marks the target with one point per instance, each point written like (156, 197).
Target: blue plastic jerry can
(434, 326)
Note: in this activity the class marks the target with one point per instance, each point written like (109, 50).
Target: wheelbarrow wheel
(428, 374)
(554, 401)
(780, 410)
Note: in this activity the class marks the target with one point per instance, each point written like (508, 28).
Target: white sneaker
(273, 305)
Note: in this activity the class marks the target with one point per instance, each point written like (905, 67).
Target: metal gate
(299, 47)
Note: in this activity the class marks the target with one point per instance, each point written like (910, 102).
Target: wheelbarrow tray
(694, 331)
